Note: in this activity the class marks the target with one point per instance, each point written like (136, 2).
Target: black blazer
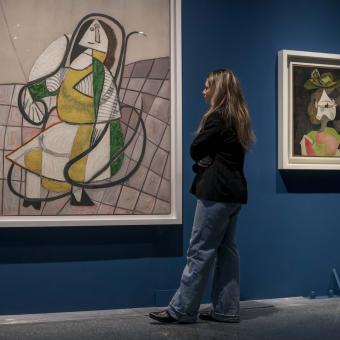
(223, 180)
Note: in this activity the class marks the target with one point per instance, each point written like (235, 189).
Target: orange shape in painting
(331, 143)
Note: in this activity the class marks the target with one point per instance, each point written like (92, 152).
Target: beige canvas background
(27, 27)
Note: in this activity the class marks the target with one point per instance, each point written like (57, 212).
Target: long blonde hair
(227, 98)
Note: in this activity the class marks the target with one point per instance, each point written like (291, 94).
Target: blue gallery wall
(289, 233)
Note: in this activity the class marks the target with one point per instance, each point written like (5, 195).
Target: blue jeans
(212, 243)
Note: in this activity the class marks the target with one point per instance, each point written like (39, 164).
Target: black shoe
(162, 316)
(207, 316)
(84, 201)
(36, 205)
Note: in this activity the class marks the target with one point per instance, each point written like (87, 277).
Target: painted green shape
(116, 143)
(312, 135)
(332, 132)
(325, 80)
(116, 134)
(98, 82)
(320, 149)
(39, 90)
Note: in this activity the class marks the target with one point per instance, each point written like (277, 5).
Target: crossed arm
(205, 143)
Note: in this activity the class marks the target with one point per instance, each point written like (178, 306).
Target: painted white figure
(325, 107)
(89, 111)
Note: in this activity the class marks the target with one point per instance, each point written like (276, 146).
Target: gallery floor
(287, 319)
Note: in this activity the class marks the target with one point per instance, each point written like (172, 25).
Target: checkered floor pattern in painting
(145, 90)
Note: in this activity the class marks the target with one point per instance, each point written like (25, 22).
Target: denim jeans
(212, 244)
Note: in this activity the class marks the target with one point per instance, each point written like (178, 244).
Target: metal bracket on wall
(336, 277)
(333, 289)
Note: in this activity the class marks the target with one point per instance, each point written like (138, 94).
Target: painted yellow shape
(73, 106)
(80, 144)
(55, 186)
(99, 55)
(33, 160)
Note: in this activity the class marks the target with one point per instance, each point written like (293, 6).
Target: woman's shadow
(255, 309)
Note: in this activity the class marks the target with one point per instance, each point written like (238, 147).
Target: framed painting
(309, 110)
(90, 112)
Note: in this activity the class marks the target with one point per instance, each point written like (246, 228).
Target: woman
(224, 134)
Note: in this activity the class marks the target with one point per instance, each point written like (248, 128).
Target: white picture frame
(175, 215)
(289, 63)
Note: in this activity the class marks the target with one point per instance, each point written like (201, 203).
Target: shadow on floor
(255, 313)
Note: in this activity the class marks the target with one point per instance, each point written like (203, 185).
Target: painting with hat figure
(316, 110)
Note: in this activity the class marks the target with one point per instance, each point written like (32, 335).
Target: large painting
(90, 112)
(309, 120)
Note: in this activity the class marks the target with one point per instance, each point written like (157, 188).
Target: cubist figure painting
(101, 140)
(316, 117)
(76, 150)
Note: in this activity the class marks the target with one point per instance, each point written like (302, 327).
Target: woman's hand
(205, 162)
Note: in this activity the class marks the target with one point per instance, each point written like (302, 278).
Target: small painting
(316, 111)
(308, 110)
